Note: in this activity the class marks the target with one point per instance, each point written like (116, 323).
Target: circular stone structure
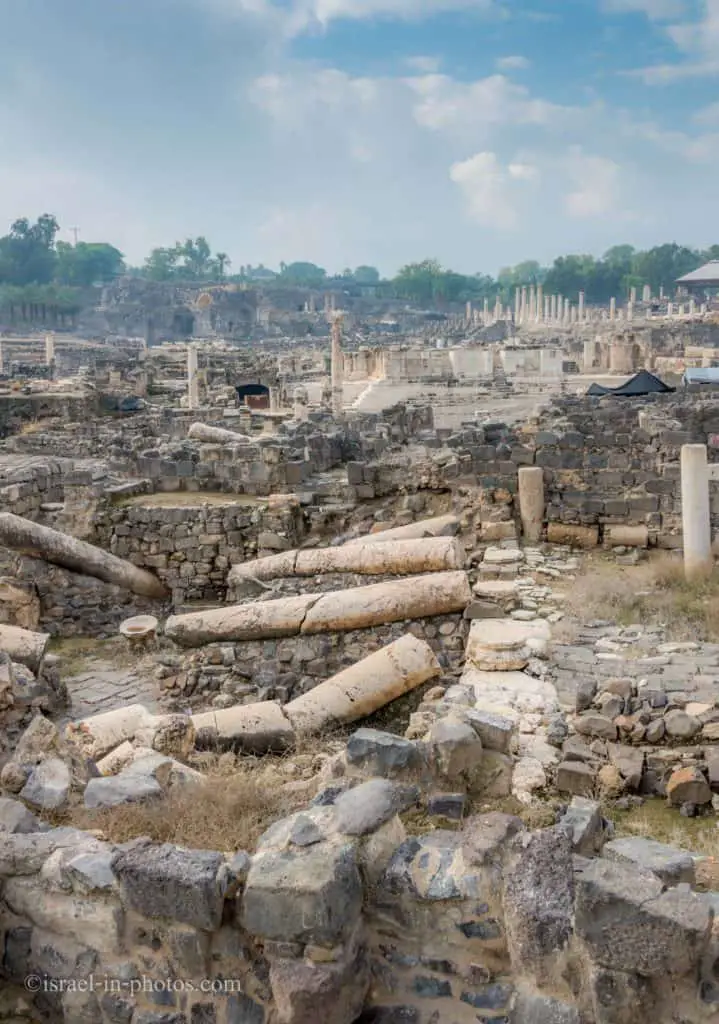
(140, 629)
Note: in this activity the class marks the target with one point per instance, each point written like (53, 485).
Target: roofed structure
(706, 276)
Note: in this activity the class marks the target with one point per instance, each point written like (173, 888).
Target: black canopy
(644, 383)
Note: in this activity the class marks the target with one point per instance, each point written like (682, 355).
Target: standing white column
(647, 293)
(670, 309)
(632, 295)
(193, 382)
(531, 502)
(523, 307)
(540, 303)
(498, 310)
(692, 306)
(2, 360)
(580, 313)
(468, 313)
(485, 312)
(696, 525)
(630, 310)
(49, 349)
(517, 305)
(612, 309)
(567, 312)
(300, 410)
(337, 368)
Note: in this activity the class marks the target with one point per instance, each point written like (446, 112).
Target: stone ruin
(293, 572)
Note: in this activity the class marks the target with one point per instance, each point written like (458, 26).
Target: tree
(222, 260)
(87, 263)
(366, 275)
(304, 275)
(161, 264)
(27, 254)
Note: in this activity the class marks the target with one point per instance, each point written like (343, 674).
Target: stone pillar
(523, 307)
(632, 295)
(696, 526)
(337, 369)
(531, 502)
(468, 313)
(540, 303)
(532, 304)
(567, 312)
(692, 306)
(670, 309)
(612, 309)
(193, 383)
(588, 362)
(547, 309)
(274, 400)
(580, 312)
(50, 349)
(2, 361)
(630, 309)
(517, 305)
(661, 292)
(485, 312)
(647, 293)
(553, 308)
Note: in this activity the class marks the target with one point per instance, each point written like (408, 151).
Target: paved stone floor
(103, 687)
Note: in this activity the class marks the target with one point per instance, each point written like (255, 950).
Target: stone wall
(27, 484)
(242, 673)
(190, 547)
(340, 917)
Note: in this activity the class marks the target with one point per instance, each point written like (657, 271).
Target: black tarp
(643, 383)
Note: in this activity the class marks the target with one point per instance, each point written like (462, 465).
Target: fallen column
(251, 728)
(24, 646)
(402, 557)
(364, 687)
(76, 555)
(268, 619)
(415, 597)
(99, 734)
(217, 435)
(440, 526)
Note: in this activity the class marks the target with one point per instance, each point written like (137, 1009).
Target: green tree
(366, 275)
(87, 263)
(303, 275)
(27, 253)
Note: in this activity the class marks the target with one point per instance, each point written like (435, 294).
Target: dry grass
(655, 592)
(226, 812)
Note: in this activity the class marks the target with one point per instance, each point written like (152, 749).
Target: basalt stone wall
(191, 547)
(225, 674)
(18, 411)
(339, 917)
(71, 604)
(26, 484)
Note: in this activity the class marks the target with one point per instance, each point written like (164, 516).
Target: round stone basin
(139, 627)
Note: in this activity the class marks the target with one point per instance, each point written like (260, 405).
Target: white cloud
(707, 115)
(322, 12)
(425, 65)
(514, 62)
(489, 188)
(596, 185)
(698, 40)
(657, 10)
(445, 104)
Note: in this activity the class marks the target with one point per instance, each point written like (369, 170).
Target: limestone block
(91, 922)
(116, 760)
(415, 597)
(626, 536)
(48, 787)
(366, 686)
(253, 728)
(399, 557)
(311, 894)
(23, 646)
(170, 882)
(97, 735)
(576, 536)
(217, 435)
(125, 788)
(15, 817)
(440, 526)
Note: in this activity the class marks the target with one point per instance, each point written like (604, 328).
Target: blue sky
(478, 132)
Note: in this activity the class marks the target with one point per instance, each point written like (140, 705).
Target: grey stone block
(368, 806)
(669, 864)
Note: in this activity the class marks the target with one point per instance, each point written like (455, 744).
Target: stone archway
(253, 396)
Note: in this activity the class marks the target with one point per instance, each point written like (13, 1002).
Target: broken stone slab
(668, 863)
(688, 786)
(495, 731)
(24, 646)
(510, 694)
(501, 645)
(415, 597)
(366, 807)
(310, 895)
(48, 787)
(586, 824)
(456, 749)
(576, 777)
(366, 686)
(440, 526)
(331, 991)
(15, 817)
(116, 760)
(384, 754)
(629, 924)
(77, 556)
(170, 882)
(399, 557)
(217, 435)
(503, 556)
(125, 788)
(251, 728)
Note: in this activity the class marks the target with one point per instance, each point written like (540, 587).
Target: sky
(477, 132)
